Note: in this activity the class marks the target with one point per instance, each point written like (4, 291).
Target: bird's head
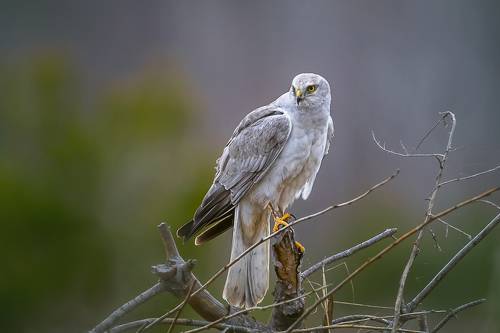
(310, 90)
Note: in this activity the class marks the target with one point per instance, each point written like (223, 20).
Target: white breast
(294, 171)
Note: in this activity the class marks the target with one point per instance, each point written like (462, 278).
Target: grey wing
(254, 146)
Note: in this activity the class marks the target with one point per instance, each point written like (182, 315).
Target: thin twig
(315, 292)
(452, 263)
(351, 319)
(182, 306)
(180, 321)
(244, 311)
(469, 177)
(416, 245)
(127, 307)
(363, 305)
(423, 325)
(389, 248)
(346, 253)
(469, 236)
(262, 240)
(490, 203)
(434, 238)
(405, 154)
(428, 133)
(366, 327)
(454, 312)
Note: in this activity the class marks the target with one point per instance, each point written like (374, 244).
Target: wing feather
(252, 149)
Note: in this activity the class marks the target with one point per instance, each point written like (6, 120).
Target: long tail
(248, 279)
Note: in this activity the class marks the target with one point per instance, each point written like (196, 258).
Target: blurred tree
(76, 185)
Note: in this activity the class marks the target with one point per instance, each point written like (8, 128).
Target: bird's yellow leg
(281, 221)
(300, 247)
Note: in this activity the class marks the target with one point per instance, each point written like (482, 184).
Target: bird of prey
(271, 159)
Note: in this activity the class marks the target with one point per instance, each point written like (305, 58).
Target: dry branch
(454, 312)
(181, 322)
(346, 253)
(389, 248)
(416, 245)
(452, 263)
(127, 307)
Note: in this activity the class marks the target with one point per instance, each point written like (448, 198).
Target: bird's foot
(281, 221)
(300, 247)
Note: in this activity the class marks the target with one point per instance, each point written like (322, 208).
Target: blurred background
(112, 115)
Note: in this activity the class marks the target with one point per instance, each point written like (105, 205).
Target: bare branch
(458, 179)
(370, 306)
(389, 248)
(351, 319)
(245, 311)
(183, 322)
(367, 327)
(422, 323)
(177, 277)
(349, 252)
(171, 251)
(428, 133)
(183, 304)
(490, 203)
(469, 236)
(405, 154)
(355, 318)
(415, 248)
(127, 307)
(452, 263)
(454, 312)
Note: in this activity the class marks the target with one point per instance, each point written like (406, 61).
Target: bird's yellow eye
(311, 88)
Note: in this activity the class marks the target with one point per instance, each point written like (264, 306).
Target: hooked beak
(299, 95)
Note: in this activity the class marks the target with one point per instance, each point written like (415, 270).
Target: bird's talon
(300, 247)
(281, 221)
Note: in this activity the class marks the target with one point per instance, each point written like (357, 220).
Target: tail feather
(248, 279)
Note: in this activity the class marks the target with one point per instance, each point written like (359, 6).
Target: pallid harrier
(271, 159)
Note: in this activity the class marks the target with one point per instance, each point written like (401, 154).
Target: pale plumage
(271, 159)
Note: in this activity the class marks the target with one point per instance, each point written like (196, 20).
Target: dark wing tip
(215, 230)
(186, 231)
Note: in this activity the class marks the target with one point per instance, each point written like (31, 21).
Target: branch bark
(288, 288)
(176, 275)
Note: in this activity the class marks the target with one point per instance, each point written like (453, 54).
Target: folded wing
(250, 152)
